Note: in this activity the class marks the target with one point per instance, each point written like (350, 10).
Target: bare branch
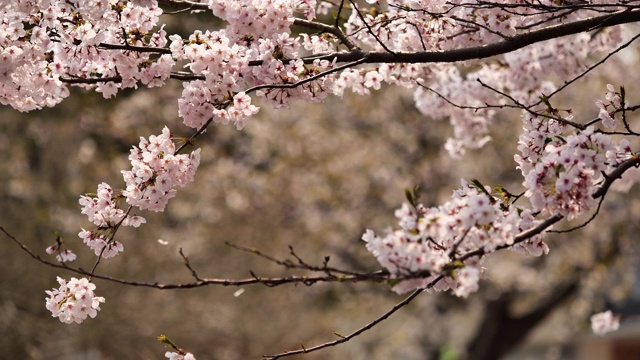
(590, 68)
(480, 52)
(357, 56)
(185, 261)
(361, 330)
(343, 275)
(616, 174)
(333, 30)
(307, 80)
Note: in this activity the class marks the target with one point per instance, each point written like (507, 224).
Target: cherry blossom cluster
(74, 300)
(563, 165)
(430, 241)
(441, 26)
(172, 355)
(43, 42)
(256, 31)
(103, 210)
(564, 179)
(413, 25)
(223, 60)
(156, 171)
(62, 255)
(562, 168)
(264, 17)
(608, 109)
(522, 74)
(604, 322)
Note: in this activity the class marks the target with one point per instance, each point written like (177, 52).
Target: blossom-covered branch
(463, 60)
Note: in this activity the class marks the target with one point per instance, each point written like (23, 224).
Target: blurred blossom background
(312, 177)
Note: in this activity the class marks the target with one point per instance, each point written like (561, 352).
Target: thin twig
(361, 330)
(585, 223)
(304, 81)
(369, 29)
(590, 68)
(185, 261)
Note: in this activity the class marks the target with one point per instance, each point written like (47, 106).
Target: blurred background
(313, 177)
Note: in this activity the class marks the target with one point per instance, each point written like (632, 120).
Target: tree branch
(502, 47)
(369, 326)
(357, 56)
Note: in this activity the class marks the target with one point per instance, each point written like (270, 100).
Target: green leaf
(393, 283)
(447, 352)
(477, 184)
(165, 340)
(545, 100)
(413, 195)
(409, 195)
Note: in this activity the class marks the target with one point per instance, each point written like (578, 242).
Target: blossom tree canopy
(465, 61)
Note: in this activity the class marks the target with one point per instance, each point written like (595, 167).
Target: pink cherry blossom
(604, 322)
(172, 355)
(73, 301)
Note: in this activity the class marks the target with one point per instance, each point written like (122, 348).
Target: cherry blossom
(177, 356)
(99, 242)
(562, 168)
(74, 300)
(604, 322)
(62, 255)
(608, 110)
(103, 210)
(430, 240)
(156, 171)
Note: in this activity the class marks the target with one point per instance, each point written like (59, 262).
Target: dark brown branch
(326, 29)
(288, 264)
(467, 107)
(182, 76)
(91, 81)
(583, 224)
(523, 236)
(188, 5)
(480, 52)
(304, 81)
(369, 326)
(590, 68)
(140, 49)
(377, 276)
(185, 261)
(616, 174)
(357, 56)
(500, 331)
